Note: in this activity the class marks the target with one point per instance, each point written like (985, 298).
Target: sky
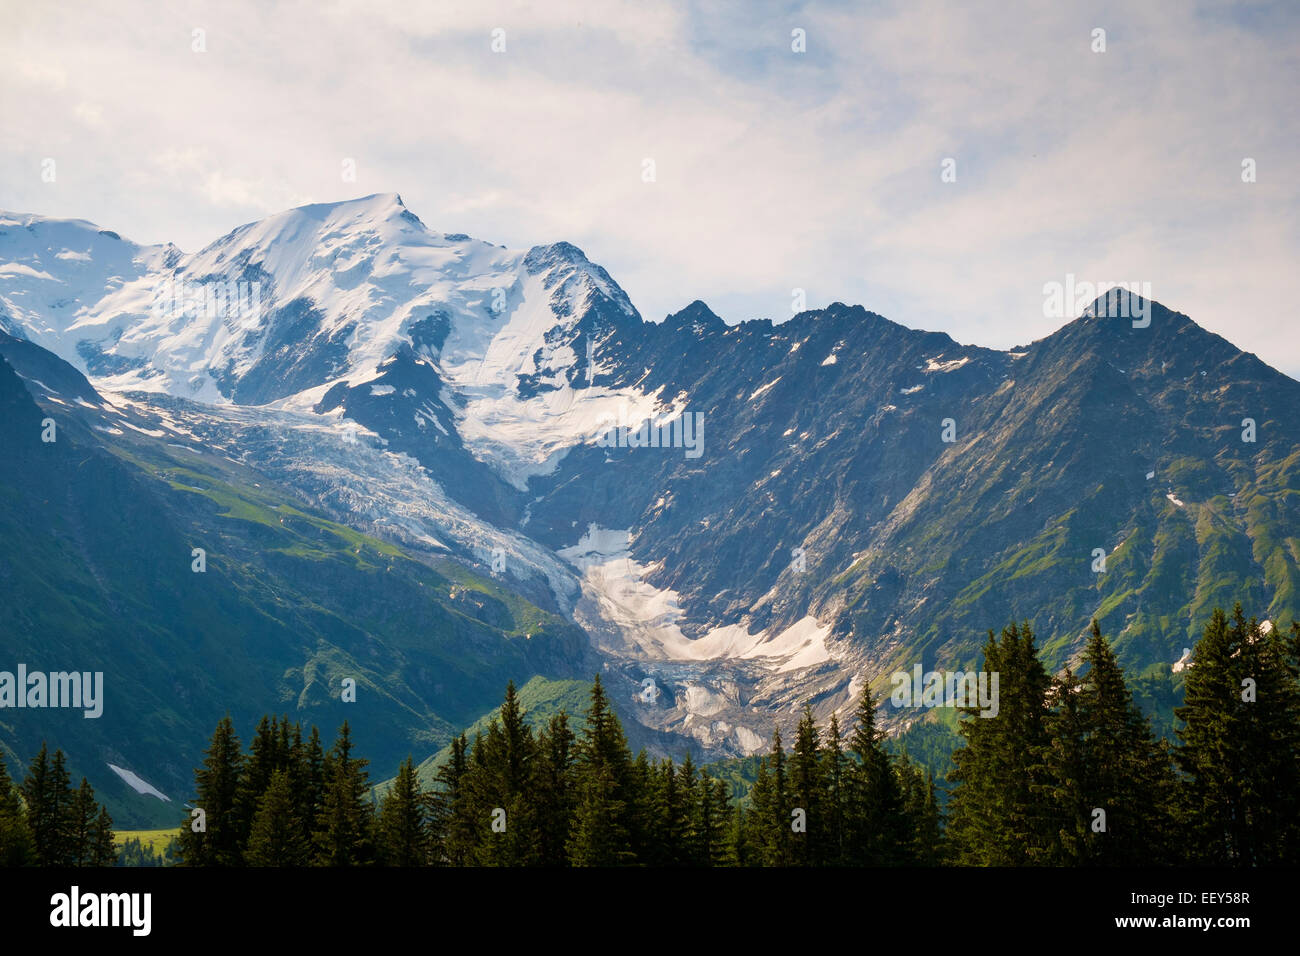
(696, 152)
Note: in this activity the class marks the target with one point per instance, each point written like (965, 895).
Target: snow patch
(934, 365)
(18, 269)
(138, 785)
(521, 437)
(629, 615)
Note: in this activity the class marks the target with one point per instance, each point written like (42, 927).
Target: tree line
(1069, 772)
(44, 822)
(519, 796)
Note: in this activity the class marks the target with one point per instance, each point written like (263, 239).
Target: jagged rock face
(826, 434)
(828, 499)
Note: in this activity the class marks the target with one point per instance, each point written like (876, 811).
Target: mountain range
(432, 464)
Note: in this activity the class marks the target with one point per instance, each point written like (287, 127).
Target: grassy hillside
(98, 576)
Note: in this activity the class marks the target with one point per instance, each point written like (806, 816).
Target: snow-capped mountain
(281, 311)
(745, 517)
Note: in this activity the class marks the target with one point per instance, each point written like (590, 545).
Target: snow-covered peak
(55, 272)
(357, 274)
(290, 238)
(281, 310)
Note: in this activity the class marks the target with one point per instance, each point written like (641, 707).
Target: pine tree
(80, 828)
(996, 815)
(924, 820)
(835, 772)
(640, 804)
(284, 743)
(343, 828)
(474, 808)
(770, 817)
(312, 792)
(1062, 778)
(740, 850)
(401, 828)
(262, 761)
(1210, 756)
(451, 830)
(502, 783)
(16, 842)
(599, 837)
(756, 820)
(668, 836)
(486, 797)
(1128, 773)
(691, 849)
(1271, 731)
(1240, 742)
(520, 750)
(600, 834)
(302, 766)
(49, 797)
(807, 792)
(276, 835)
(103, 846)
(710, 812)
(217, 784)
(876, 820)
(555, 794)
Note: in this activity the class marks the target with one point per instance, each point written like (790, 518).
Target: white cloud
(775, 170)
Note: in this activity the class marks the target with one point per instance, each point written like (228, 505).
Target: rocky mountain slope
(99, 573)
(740, 517)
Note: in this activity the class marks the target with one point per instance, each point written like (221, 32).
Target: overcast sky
(773, 169)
